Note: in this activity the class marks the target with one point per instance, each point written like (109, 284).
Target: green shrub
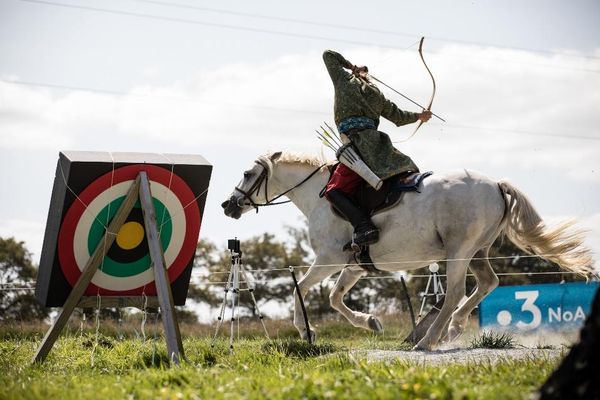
(494, 340)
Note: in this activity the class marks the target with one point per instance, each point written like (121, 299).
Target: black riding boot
(364, 231)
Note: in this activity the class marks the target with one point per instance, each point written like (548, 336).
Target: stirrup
(365, 238)
(351, 246)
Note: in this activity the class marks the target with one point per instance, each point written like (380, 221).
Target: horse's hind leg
(486, 282)
(456, 270)
(344, 283)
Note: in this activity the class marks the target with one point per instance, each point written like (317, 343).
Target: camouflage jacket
(355, 97)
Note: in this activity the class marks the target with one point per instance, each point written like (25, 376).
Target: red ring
(157, 174)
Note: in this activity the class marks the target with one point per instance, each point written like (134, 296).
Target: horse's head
(252, 189)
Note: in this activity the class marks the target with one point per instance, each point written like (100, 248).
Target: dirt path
(462, 356)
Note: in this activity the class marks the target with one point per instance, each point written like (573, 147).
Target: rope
(104, 249)
(15, 289)
(264, 281)
(85, 206)
(81, 323)
(105, 226)
(186, 206)
(154, 338)
(430, 261)
(96, 337)
(162, 221)
(363, 278)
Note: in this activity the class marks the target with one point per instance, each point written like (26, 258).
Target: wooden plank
(44, 280)
(116, 301)
(424, 324)
(88, 272)
(161, 278)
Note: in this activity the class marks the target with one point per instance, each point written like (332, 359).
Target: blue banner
(529, 307)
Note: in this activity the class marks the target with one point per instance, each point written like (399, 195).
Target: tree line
(262, 254)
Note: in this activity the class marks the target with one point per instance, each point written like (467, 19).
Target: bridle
(256, 186)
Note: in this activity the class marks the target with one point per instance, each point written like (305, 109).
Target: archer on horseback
(358, 105)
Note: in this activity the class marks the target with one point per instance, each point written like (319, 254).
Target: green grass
(80, 367)
(494, 340)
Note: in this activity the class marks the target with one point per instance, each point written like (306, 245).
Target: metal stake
(308, 335)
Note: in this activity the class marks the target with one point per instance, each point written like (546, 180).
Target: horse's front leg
(315, 274)
(344, 283)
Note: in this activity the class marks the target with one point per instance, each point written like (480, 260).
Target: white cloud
(26, 121)
(242, 110)
(283, 100)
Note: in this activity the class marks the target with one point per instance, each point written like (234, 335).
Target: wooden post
(161, 278)
(88, 272)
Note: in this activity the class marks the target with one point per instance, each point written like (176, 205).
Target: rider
(358, 104)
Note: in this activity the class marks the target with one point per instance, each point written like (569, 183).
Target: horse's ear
(275, 156)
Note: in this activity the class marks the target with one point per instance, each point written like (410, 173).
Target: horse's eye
(247, 174)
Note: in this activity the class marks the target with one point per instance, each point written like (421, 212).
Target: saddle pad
(374, 201)
(410, 183)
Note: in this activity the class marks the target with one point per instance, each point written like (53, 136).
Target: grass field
(85, 366)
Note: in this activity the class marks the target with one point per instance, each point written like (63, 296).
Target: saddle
(373, 201)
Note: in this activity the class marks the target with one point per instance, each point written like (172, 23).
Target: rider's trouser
(344, 179)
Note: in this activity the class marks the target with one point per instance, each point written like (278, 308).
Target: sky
(518, 83)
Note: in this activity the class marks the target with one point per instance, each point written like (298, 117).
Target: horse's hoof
(374, 324)
(453, 334)
(418, 348)
(422, 346)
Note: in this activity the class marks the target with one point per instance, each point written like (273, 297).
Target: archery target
(126, 268)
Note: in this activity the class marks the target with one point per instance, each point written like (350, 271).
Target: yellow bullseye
(130, 235)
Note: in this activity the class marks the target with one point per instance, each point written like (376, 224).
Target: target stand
(122, 231)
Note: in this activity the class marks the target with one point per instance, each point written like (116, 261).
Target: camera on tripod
(237, 277)
(234, 246)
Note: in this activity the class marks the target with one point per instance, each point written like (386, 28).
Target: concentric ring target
(125, 270)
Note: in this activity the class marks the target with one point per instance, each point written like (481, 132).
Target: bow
(432, 94)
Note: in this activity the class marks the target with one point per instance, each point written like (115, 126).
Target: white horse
(455, 217)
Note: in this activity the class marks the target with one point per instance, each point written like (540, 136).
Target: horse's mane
(293, 158)
(298, 158)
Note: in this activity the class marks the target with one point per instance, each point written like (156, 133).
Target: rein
(264, 176)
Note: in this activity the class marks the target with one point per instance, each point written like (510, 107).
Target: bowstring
(432, 94)
(386, 60)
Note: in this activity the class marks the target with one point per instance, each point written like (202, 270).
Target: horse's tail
(525, 228)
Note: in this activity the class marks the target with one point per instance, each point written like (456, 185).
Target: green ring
(118, 269)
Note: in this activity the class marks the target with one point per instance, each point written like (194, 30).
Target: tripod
(233, 283)
(437, 291)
